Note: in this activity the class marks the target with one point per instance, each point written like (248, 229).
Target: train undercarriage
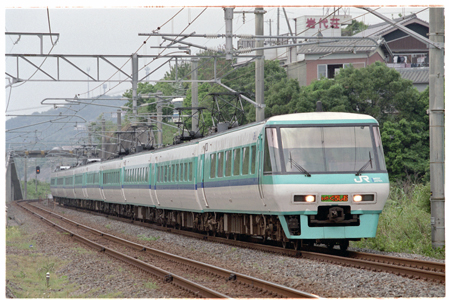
(237, 226)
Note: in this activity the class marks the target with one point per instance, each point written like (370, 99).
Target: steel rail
(377, 266)
(193, 287)
(390, 264)
(228, 274)
(413, 263)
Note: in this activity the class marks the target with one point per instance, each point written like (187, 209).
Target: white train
(309, 177)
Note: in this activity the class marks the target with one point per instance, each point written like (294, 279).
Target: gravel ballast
(322, 279)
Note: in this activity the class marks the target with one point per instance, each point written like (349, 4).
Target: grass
(26, 277)
(151, 286)
(147, 238)
(26, 272)
(404, 225)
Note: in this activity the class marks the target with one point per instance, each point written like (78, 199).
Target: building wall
(311, 65)
(297, 70)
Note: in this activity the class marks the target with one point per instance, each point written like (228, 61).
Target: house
(407, 52)
(325, 58)
(380, 42)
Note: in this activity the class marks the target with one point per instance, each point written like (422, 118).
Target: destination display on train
(334, 198)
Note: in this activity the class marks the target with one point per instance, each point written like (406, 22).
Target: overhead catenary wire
(63, 126)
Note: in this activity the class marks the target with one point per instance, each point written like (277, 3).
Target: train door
(202, 173)
(101, 185)
(121, 182)
(259, 164)
(83, 185)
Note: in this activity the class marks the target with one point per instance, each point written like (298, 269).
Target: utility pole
(194, 90)
(35, 178)
(134, 81)
(119, 128)
(259, 64)
(278, 24)
(436, 113)
(229, 32)
(25, 180)
(159, 121)
(89, 141)
(103, 156)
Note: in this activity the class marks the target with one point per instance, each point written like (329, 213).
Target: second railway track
(249, 287)
(411, 268)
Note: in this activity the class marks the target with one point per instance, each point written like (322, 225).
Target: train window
(237, 161)
(253, 165)
(186, 172)
(161, 173)
(191, 171)
(379, 147)
(165, 174)
(272, 161)
(220, 164)
(245, 160)
(228, 163)
(182, 167)
(176, 173)
(212, 173)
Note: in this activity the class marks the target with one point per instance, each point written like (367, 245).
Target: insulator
(245, 50)
(246, 36)
(212, 36)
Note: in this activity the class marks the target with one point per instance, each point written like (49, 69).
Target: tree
(354, 28)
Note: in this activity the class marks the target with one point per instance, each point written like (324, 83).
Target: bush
(404, 225)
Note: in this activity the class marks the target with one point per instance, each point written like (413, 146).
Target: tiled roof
(416, 75)
(380, 29)
(341, 46)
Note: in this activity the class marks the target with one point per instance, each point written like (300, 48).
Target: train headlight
(304, 198)
(363, 198)
(310, 198)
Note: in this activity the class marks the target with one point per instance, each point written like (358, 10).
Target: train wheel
(284, 244)
(296, 244)
(344, 245)
(227, 235)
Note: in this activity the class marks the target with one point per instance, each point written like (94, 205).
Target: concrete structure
(12, 185)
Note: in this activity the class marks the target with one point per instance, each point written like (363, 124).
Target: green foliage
(147, 238)
(404, 225)
(37, 189)
(354, 28)
(407, 149)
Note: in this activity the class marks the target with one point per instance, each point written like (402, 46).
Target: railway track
(411, 268)
(249, 286)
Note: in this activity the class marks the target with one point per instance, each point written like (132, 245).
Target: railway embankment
(95, 279)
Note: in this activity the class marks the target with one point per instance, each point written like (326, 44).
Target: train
(296, 179)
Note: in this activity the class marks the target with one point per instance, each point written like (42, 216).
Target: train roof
(289, 119)
(321, 118)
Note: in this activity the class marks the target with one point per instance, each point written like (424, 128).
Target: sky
(114, 31)
(110, 28)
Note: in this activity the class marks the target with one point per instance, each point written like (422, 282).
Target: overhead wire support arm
(244, 97)
(405, 29)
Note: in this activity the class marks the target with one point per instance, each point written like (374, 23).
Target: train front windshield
(309, 150)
